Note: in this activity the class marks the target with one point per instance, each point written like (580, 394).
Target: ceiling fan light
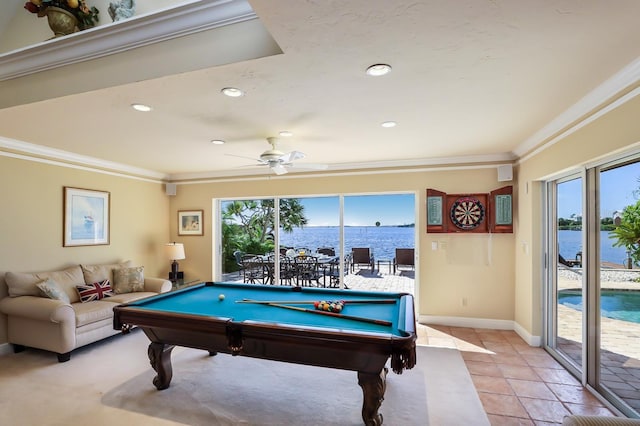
(232, 92)
(141, 107)
(377, 70)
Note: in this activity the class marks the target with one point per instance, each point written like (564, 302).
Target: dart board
(467, 213)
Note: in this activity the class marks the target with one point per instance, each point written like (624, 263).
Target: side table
(389, 263)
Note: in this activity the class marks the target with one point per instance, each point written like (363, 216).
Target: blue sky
(616, 191)
(361, 210)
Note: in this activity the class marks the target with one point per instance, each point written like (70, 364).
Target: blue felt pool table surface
(203, 300)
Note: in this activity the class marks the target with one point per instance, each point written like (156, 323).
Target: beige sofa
(45, 311)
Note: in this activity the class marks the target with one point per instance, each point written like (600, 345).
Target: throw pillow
(96, 273)
(95, 291)
(52, 290)
(128, 280)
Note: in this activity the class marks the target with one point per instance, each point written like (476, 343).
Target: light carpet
(111, 382)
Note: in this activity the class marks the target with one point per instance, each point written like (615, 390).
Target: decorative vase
(61, 22)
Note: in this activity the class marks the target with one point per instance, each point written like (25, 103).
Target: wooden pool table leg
(373, 386)
(160, 357)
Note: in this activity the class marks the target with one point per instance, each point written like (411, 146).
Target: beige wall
(499, 276)
(616, 131)
(478, 267)
(32, 215)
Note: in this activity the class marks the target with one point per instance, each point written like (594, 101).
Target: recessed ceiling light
(389, 124)
(141, 107)
(378, 70)
(232, 92)
(285, 133)
(217, 141)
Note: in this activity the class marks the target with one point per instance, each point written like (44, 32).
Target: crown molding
(124, 35)
(594, 100)
(393, 166)
(326, 174)
(29, 151)
(33, 152)
(600, 113)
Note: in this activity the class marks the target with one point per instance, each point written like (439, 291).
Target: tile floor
(517, 384)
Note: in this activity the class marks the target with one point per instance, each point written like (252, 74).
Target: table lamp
(175, 252)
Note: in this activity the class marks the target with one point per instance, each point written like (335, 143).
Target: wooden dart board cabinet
(470, 213)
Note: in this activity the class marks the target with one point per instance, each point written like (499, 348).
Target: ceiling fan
(279, 162)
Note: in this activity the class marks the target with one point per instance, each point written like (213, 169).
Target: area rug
(226, 390)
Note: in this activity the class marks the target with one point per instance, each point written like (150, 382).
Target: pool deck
(620, 340)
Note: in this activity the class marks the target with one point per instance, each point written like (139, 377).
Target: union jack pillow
(95, 291)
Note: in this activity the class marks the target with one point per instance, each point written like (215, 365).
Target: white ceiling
(472, 80)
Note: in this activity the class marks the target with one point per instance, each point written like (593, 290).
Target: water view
(383, 240)
(570, 243)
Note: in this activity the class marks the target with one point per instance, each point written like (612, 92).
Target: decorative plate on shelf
(467, 213)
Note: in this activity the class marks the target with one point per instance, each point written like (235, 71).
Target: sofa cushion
(52, 290)
(90, 312)
(128, 280)
(68, 279)
(94, 291)
(96, 273)
(19, 284)
(24, 284)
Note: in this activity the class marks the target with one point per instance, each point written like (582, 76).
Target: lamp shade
(174, 251)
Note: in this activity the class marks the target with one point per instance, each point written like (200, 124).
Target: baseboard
(5, 349)
(526, 336)
(467, 322)
(482, 323)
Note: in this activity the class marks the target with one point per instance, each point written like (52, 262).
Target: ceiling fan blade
(242, 156)
(279, 169)
(292, 156)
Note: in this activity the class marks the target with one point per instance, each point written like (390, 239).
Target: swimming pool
(617, 304)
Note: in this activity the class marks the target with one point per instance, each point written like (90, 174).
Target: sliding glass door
(246, 228)
(593, 285)
(566, 272)
(619, 283)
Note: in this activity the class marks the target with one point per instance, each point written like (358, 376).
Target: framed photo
(86, 217)
(190, 222)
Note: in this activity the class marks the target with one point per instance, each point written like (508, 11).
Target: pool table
(223, 317)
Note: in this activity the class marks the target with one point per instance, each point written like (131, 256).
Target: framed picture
(190, 222)
(86, 217)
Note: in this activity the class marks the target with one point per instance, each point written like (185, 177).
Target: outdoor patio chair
(332, 272)
(405, 257)
(254, 269)
(287, 270)
(307, 270)
(238, 256)
(362, 256)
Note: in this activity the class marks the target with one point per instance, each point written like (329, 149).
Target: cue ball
(221, 297)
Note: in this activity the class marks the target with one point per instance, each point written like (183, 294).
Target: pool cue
(311, 302)
(332, 314)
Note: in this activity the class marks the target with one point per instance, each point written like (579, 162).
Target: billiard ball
(221, 297)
